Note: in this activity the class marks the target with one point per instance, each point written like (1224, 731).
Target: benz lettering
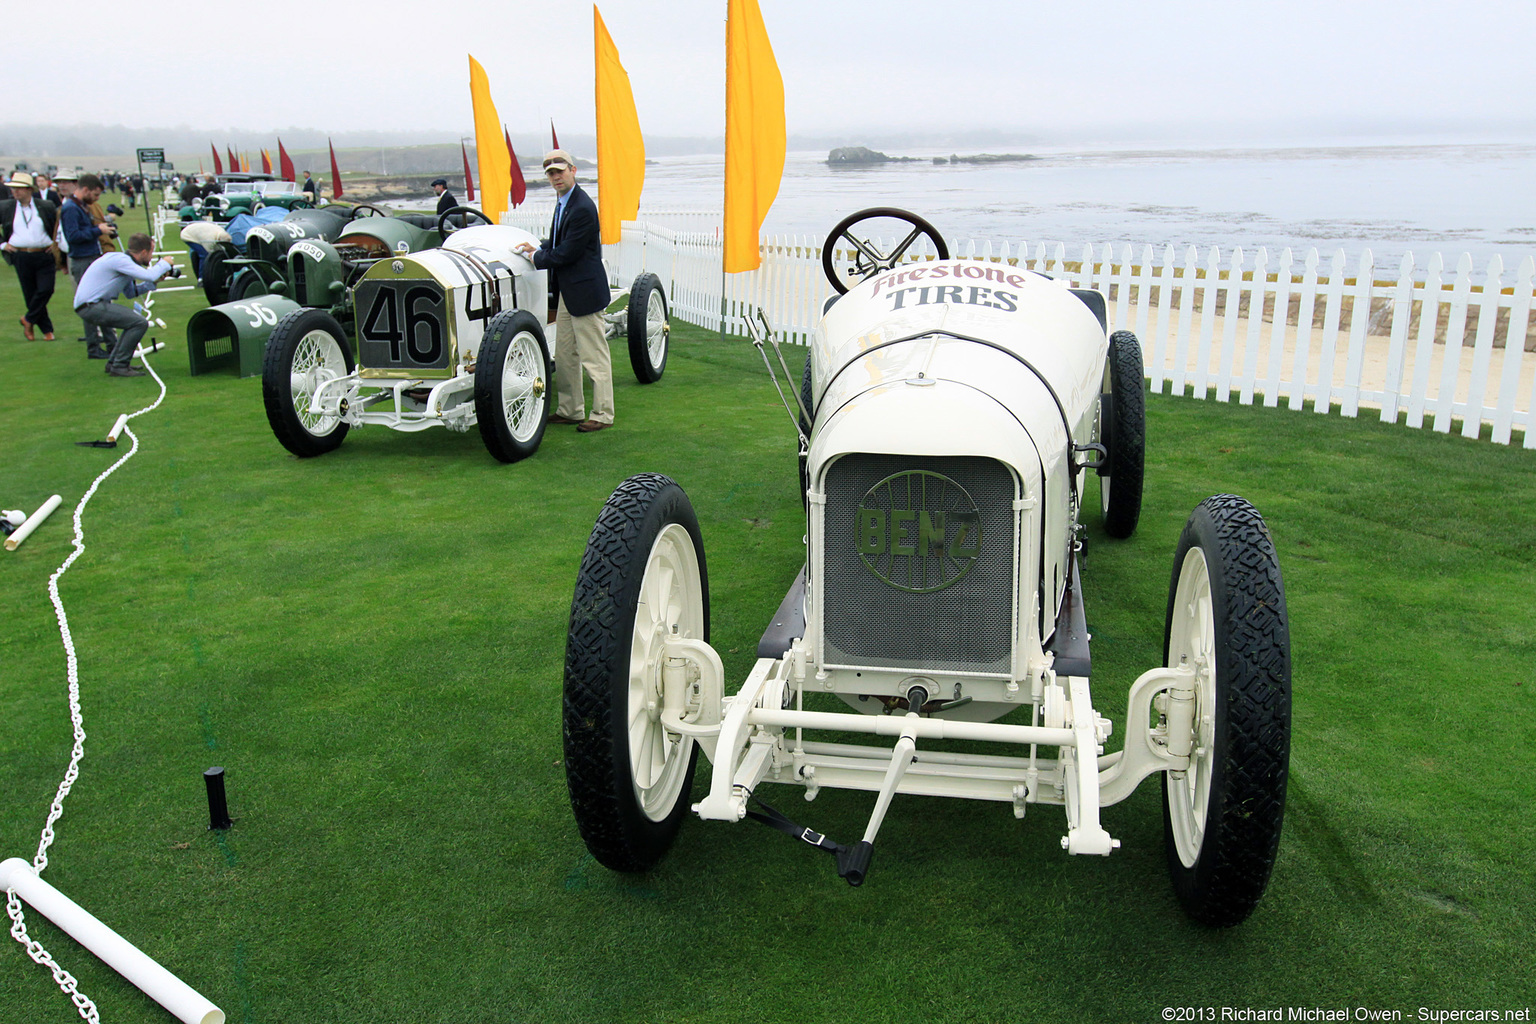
(918, 531)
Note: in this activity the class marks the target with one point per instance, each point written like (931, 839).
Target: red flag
(284, 164)
(218, 168)
(266, 163)
(469, 183)
(335, 171)
(519, 186)
(200, 167)
(234, 161)
(553, 138)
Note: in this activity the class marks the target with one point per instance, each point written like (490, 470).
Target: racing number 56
(419, 310)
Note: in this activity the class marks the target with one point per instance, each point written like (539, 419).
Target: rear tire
(1124, 418)
(649, 329)
(512, 385)
(643, 573)
(306, 348)
(216, 278)
(1227, 619)
(247, 285)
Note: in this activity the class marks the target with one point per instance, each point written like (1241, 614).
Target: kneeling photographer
(121, 273)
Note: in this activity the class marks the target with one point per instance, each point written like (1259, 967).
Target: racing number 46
(418, 309)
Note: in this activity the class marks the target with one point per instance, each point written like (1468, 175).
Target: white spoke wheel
(1123, 431)
(512, 385)
(1227, 622)
(306, 349)
(648, 329)
(642, 578)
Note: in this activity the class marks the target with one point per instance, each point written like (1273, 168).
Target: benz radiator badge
(918, 531)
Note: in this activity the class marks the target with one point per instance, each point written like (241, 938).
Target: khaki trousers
(581, 344)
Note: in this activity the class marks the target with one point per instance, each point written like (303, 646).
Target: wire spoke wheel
(307, 350)
(512, 385)
(656, 326)
(316, 361)
(523, 386)
(647, 328)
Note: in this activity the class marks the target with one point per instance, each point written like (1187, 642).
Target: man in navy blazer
(578, 289)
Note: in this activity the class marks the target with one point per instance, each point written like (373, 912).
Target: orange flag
(620, 146)
(755, 137)
(490, 152)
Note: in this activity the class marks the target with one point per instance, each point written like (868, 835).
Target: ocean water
(1390, 199)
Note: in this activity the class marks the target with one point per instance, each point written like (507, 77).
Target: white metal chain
(35, 950)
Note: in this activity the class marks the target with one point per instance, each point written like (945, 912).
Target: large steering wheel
(442, 218)
(374, 211)
(867, 259)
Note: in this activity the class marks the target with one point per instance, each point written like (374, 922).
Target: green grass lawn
(371, 644)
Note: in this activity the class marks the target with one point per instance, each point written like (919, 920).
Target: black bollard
(218, 808)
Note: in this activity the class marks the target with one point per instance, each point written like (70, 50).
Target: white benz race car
(451, 337)
(954, 409)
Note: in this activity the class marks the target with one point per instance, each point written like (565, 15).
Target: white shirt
(27, 229)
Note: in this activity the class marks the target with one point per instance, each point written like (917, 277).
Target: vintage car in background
(455, 336)
(242, 192)
(249, 287)
(954, 414)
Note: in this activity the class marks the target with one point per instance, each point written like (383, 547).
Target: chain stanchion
(35, 950)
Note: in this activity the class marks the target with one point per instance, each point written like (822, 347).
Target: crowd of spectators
(57, 222)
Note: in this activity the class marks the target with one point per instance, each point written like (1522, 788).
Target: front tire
(1227, 619)
(643, 575)
(512, 385)
(649, 329)
(1124, 418)
(306, 348)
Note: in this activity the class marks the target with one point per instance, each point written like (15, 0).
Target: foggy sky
(1179, 68)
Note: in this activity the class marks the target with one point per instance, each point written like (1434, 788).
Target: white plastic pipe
(117, 428)
(33, 522)
(184, 1002)
(156, 347)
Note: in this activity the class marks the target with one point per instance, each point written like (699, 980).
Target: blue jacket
(574, 258)
(83, 238)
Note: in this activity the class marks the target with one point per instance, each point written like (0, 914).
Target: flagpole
(726, 136)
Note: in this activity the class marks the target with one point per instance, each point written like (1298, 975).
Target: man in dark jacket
(578, 285)
(445, 200)
(27, 227)
(84, 235)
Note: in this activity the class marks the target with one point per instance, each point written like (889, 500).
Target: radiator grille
(918, 563)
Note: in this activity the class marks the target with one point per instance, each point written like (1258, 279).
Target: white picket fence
(1430, 344)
